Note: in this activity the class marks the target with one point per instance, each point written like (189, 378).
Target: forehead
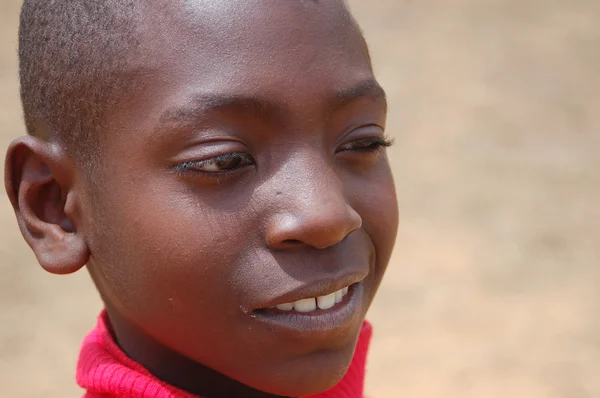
(296, 54)
(221, 44)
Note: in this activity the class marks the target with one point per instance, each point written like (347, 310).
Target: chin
(312, 374)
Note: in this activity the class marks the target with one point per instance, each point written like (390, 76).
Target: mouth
(312, 304)
(333, 311)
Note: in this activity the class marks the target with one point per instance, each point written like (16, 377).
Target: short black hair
(72, 60)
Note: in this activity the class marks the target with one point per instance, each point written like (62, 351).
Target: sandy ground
(494, 289)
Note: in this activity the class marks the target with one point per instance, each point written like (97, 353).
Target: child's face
(246, 173)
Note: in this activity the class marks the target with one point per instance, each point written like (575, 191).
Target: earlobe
(40, 184)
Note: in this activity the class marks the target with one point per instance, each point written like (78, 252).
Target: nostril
(292, 242)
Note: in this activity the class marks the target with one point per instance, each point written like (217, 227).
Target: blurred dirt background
(494, 289)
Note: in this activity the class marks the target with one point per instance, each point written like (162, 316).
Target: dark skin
(250, 163)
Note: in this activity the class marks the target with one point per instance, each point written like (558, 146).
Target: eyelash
(242, 160)
(367, 144)
(195, 166)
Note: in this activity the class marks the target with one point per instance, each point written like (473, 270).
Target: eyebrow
(366, 88)
(205, 102)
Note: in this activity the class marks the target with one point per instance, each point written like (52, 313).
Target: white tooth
(345, 291)
(305, 305)
(326, 302)
(339, 296)
(285, 306)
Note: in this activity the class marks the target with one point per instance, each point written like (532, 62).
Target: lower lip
(342, 316)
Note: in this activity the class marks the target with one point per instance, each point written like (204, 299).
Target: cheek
(159, 256)
(375, 200)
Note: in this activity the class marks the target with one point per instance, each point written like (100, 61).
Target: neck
(175, 369)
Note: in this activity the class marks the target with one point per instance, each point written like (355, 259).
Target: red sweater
(104, 370)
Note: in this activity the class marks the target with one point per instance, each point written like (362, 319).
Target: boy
(219, 168)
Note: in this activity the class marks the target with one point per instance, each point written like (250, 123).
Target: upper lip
(315, 289)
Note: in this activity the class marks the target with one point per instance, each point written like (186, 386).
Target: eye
(228, 162)
(370, 144)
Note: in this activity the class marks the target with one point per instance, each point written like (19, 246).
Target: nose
(313, 212)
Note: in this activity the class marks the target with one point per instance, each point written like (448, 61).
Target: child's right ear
(39, 180)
